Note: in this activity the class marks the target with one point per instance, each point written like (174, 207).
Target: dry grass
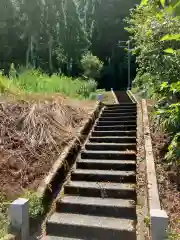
(32, 135)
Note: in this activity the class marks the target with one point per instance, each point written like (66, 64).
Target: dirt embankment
(167, 180)
(33, 134)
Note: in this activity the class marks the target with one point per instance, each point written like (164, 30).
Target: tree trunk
(50, 55)
(28, 53)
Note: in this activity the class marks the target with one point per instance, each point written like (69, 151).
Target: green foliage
(53, 35)
(155, 30)
(34, 81)
(36, 208)
(91, 65)
(3, 216)
(173, 235)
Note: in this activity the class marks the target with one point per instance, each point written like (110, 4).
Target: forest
(52, 35)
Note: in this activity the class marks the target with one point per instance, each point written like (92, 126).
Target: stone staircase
(99, 202)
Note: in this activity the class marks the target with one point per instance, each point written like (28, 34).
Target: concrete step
(105, 164)
(115, 128)
(107, 207)
(114, 123)
(59, 238)
(93, 175)
(113, 133)
(118, 118)
(110, 146)
(114, 139)
(114, 155)
(101, 189)
(129, 114)
(90, 227)
(120, 110)
(120, 105)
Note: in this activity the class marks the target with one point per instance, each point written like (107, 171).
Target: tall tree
(75, 38)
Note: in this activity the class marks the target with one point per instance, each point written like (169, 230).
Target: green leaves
(169, 50)
(143, 2)
(162, 2)
(170, 37)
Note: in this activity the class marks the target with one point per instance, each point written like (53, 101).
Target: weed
(147, 221)
(36, 208)
(33, 81)
(3, 216)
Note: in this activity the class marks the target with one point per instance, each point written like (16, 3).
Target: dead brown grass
(33, 132)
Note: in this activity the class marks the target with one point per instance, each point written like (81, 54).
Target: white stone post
(19, 218)
(159, 224)
(99, 97)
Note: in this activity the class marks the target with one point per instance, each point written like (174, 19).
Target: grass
(33, 81)
(35, 210)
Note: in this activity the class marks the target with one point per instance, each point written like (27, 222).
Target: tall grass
(34, 81)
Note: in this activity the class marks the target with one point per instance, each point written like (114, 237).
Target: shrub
(91, 65)
(36, 208)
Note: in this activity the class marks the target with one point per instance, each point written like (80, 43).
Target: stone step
(110, 146)
(115, 128)
(90, 227)
(114, 139)
(101, 189)
(93, 175)
(120, 110)
(113, 123)
(118, 118)
(114, 155)
(59, 238)
(120, 105)
(127, 114)
(113, 133)
(105, 164)
(107, 207)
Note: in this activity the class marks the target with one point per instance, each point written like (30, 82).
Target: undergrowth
(154, 27)
(35, 210)
(34, 81)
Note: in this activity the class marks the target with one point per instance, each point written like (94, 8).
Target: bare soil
(33, 134)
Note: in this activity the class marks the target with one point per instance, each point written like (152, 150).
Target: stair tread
(116, 131)
(128, 152)
(117, 121)
(107, 144)
(59, 238)
(113, 137)
(104, 172)
(101, 185)
(119, 125)
(95, 201)
(121, 162)
(92, 221)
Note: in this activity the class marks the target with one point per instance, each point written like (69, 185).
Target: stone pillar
(19, 218)
(99, 97)
(159, 224)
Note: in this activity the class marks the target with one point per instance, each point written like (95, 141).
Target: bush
(91, 65)
(36, 207)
